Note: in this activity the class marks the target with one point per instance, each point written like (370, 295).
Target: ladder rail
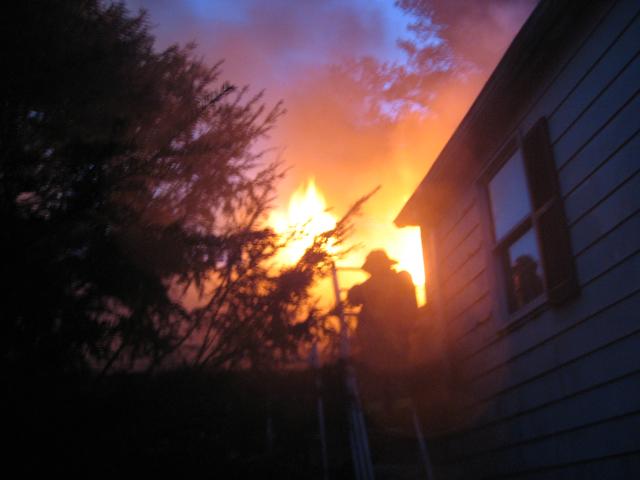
(358, 438)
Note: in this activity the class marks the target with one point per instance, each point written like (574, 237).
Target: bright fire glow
(405, 246)
(308, 216)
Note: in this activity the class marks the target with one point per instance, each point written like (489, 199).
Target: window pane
(509, 196)
(525, 270)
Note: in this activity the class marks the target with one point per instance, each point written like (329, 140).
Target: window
(514, 227)
(532, 240)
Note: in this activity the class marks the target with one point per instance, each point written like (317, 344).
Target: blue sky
(294, 33)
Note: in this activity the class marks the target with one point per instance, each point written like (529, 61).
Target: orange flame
(405, 246)
(307, 216)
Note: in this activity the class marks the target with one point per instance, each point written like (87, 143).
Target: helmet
(377, 260)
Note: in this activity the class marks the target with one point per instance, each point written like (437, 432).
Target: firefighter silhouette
(388, 315)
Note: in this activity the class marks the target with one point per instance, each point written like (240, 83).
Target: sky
(311, 54)
(277, 39)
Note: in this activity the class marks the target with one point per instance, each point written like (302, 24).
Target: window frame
(499, 246)
(552, 232)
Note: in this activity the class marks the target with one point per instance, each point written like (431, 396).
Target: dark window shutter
(541, 168)
(553, 231)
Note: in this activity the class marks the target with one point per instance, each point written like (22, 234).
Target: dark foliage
(129, 180)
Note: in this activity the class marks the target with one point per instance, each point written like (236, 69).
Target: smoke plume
(372, 89)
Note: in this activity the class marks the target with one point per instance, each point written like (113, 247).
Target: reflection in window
(509, 196)
(524, 268)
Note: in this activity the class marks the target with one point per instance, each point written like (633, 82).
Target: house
(530, 220)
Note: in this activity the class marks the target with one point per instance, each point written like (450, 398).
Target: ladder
(358, 437)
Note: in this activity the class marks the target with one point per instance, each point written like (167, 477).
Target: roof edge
(514, 63)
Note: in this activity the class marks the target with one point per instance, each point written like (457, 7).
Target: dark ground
(179, 423)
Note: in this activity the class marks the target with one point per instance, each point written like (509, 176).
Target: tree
(127, 173)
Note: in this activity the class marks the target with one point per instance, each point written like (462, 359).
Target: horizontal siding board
(571, 374)
(596, 299)
(620, 243)
(621, 128)
(583, 444)
(462, 230)
(573, 377)
(553, 384)
(470, 331)
(579, 65)
(463, 328)
(474, 292)
(596, 117)
(619, 467)
(454, 215)
(473, 326)
(588, 336)
(607, 215)
(605, 178)
(590, 87)
(463, 275)
(609, 400)
(469, 248)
